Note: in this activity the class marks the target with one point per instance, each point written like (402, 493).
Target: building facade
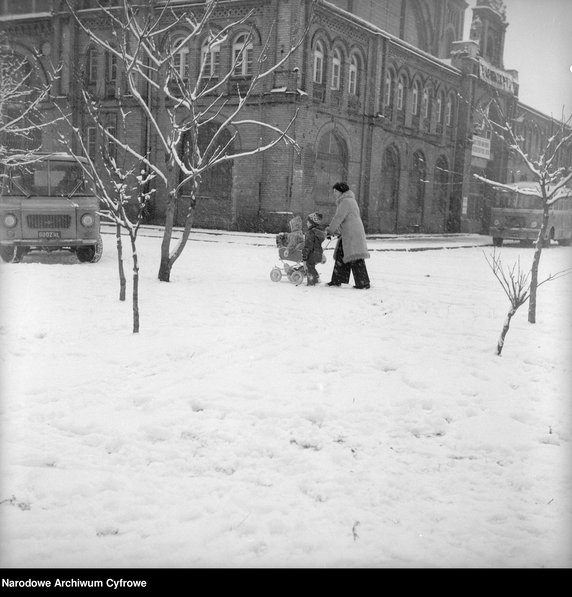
(388, 95)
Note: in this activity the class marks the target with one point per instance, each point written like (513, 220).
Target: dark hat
(315, 217)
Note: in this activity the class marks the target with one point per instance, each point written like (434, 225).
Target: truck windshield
(46, 178)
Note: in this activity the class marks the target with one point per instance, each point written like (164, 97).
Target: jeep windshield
(46, 178)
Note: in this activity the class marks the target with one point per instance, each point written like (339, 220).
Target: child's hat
(315, 217)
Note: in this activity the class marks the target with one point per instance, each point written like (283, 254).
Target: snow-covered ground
(261, 424)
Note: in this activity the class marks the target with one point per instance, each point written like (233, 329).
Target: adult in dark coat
(351, 249)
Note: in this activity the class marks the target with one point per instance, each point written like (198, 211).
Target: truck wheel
(90, 253)
(497, 242)
(12, 254)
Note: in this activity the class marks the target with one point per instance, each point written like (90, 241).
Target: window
(441, 187)
(110, 145)
(490, 53)
(528, 140)
(390, 171)
(417, 182)
(336, 70)
(91, 66)
(210, 55)
(534, 142)
(415, 103)
(388, 100)
(181, 60)
(318, 63)
(110, 67)
(353, 79)
(242, 53)
(439, 109)
(425, 103)
(449, 111)
(90, 141)
(400, 92)
(450, 37)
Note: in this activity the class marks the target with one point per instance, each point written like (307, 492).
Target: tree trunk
(167, 258)
(122, 280)
(534, 283)
(166, 264)
(535, 264)
(135, 286)
(189, 218)
(505, 328)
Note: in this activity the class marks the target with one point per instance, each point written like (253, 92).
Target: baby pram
(290, 245)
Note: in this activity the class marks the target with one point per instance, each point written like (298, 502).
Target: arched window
(449, 111)
(210, 56)
(353, 76)
(425, 103)
(390, 179)
(215, 208)
(91, 65)
(415, 99)
(449, 39)
(336, 70)
(318, 63)
(400, 93)
(441, 187)
(242, 56)
(331, 165)
(417, 178)
(389, 85)
(439, 108)
(491, 49)
(527, 139)
(181, 59)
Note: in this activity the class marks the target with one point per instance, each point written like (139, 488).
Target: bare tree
(516, 284)
(115, 185)
(22, 98)
(551, 179)
(147, 44)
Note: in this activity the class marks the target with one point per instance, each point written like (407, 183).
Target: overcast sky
(539, 46)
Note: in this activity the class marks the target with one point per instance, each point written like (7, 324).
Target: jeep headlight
(533, 225)
(10, 220)
(87, 220)
(496, 222)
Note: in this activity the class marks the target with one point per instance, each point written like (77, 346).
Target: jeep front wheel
(90, 253)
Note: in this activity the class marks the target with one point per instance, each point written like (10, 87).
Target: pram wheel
(296, 277)
(275, 274)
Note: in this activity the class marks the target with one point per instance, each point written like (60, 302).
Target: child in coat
(312, 252)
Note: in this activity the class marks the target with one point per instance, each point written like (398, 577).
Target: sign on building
(481, 147)
(497, 78)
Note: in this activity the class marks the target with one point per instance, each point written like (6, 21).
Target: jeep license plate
(49, 234)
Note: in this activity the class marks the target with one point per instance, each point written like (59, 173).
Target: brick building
(388, 95)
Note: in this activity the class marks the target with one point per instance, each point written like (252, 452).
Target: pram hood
(295, 224)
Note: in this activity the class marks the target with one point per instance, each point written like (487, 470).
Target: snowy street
(260, 424)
